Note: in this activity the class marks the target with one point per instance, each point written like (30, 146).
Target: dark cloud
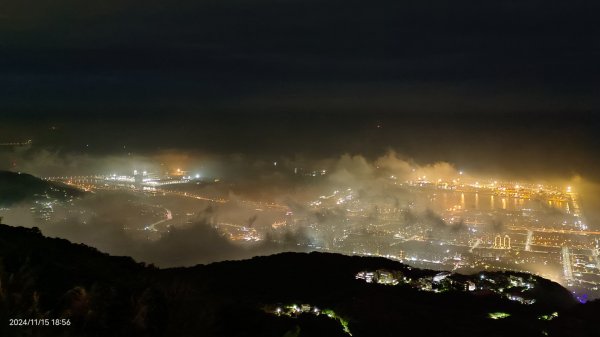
(127, 57)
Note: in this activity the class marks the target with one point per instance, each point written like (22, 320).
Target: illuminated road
(528, 242)
(191, 195)
(551, 230)
(28, 142)
(89, 183)
(152, 227)
(566, 260)
(475, 245)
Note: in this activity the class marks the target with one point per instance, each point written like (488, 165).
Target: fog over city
(254, 195)
(198, 242)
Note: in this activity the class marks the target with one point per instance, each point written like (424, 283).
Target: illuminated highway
(168, 217)
(566, 261)
(528, 241)
(555, 230)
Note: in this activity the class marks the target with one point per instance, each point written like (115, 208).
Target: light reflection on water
(489, 202)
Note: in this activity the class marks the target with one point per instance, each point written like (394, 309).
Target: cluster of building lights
(295, 310)
(512, 287)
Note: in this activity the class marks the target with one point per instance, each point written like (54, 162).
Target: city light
(498, 315)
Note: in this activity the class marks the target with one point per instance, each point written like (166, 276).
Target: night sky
(505, 86)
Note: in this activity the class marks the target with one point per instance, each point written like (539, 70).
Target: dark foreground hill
(17, 187)
(45, 282)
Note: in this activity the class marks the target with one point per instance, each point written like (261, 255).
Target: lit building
(498, 242)
(506, 242)
(502, 243)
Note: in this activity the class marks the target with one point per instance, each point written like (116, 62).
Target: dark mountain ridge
(17, 187)
(288, 294)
